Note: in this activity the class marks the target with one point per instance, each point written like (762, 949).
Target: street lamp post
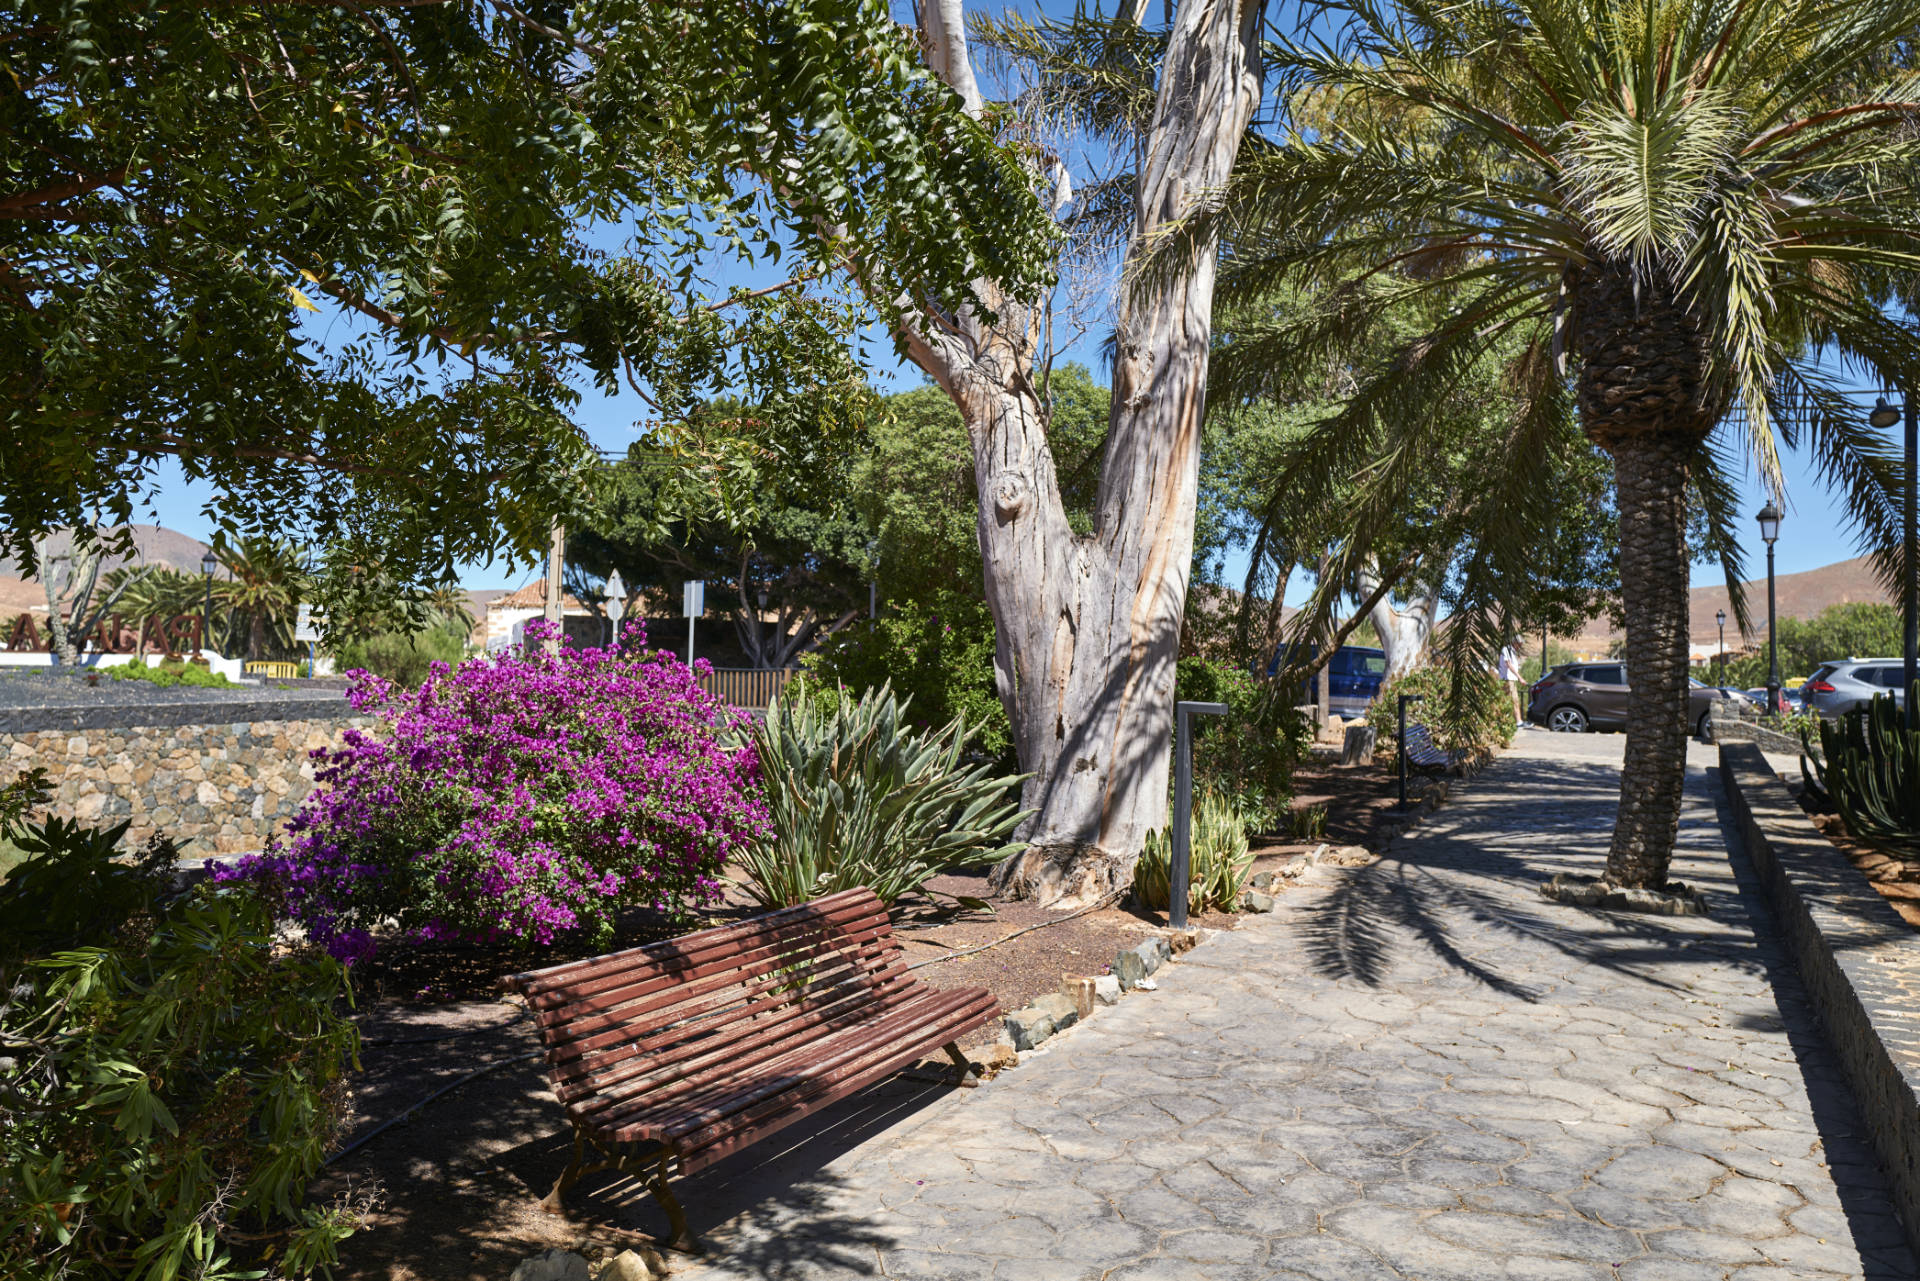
(1720, 617)
(766, 650)
(208, 563)
(1884, 416)
(1769, 519)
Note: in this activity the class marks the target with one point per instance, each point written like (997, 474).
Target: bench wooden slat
(859, 1064)
(678, 964)
(795, 1073)
(680, 1048)
(656, 1000)
(536, 983)
(706, 1043)
(791, 1029)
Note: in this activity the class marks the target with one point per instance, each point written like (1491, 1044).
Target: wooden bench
(1423, 755)
(671, 1056)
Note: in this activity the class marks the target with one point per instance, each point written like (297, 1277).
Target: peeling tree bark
(1404, 633)
(1088, 627)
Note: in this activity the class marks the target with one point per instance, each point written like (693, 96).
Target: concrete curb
(1859, 960)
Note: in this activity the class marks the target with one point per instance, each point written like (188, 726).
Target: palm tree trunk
(1647, 398)
(1650, 473)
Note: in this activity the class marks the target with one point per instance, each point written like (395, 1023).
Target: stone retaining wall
(1859, 960)
(1735, 728)
(215, 789)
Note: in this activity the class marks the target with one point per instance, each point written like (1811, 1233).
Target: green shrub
(1308, 823)
(170, 674)
(171, 1082)
(1482, 716)
(859, 797)
(938, 658)
(402, 657)
(1871, 773)
(1248, 755)
(1221, 860)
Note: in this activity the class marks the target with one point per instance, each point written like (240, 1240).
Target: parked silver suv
(1836, 688)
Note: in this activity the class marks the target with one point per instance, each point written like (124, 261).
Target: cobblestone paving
(1423, 1071)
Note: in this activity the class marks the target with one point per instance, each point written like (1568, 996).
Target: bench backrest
(690, 1002)
(1420, 746)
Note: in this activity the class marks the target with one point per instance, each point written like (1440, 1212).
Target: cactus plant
(1221, 860)
(1871, 772)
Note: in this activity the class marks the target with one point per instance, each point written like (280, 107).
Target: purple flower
(518, 796)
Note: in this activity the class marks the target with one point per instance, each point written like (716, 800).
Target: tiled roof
(534, 596)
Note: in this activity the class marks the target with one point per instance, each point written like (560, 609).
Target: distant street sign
(693, 603)
(304, 629)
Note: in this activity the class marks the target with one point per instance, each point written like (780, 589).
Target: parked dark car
(1354, 676)
(1576, 697)
(1841, 686)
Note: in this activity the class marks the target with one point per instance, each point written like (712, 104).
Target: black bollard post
(1180, 875)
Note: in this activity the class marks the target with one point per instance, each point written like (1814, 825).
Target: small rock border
(643, 1264)
(1576, 890)
(1079, 996)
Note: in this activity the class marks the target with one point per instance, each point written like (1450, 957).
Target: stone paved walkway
(1423, 1072)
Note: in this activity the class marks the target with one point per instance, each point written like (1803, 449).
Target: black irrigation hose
(442, 1036)
(445, 1089)
(1109, 897)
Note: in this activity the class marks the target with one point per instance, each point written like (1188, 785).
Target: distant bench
(699, 1046)
(1422, 754)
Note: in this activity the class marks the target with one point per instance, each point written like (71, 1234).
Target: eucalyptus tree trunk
(1088, 627)
(1404, 633)
(1646, 398)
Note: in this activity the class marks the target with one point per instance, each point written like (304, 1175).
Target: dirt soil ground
(1897, 879)
(458, 1182)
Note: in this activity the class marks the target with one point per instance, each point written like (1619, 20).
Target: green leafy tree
(1665, 209)
(1858, 629)
(1419, 535)
(803, 546)
(490, 210)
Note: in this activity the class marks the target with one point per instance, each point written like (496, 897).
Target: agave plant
(1872, 772)
(857, 796)
(1221, 860)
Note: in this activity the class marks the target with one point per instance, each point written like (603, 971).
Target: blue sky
(1813, 534)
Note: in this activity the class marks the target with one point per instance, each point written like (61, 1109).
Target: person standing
(1508, 670)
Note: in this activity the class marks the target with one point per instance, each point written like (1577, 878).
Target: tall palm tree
(264, 578)
(1670, 208)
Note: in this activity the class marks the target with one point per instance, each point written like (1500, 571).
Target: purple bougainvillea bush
(518, 796)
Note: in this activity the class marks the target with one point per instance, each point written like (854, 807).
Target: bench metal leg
(575, 1171)
(963, 1070)
(682, 1238)
(650, 1168)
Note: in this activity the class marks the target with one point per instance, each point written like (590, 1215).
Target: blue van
(1354, 678)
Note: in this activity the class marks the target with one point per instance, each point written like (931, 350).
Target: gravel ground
(20, 688)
